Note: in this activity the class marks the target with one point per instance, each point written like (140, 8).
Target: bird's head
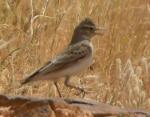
(86, 29)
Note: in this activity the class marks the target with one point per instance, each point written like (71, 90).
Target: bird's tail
(35, 75)
(25, 81)
(30, 78)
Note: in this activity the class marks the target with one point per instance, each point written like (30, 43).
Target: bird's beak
(100, 30)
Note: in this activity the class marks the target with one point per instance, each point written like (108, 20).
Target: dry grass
(33, 31)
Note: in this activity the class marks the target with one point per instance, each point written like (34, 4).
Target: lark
(74, 59)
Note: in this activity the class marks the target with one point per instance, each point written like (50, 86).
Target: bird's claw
(82, 91)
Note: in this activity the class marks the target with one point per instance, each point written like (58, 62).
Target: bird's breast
(73, 69)
(81, 64)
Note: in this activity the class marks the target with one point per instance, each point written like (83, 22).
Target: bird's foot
(82, 91)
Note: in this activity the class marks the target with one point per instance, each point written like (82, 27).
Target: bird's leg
(55, 83)
(67, 83)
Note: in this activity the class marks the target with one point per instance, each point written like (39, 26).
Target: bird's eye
(88, 28)
(91, 28)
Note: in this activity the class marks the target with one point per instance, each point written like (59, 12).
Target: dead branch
(20, 104)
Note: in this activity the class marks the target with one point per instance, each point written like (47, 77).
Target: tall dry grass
(33, 31)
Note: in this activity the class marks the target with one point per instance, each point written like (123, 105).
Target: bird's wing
(72, 54)
(69, 56)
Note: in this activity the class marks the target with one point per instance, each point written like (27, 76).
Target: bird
(72, 60)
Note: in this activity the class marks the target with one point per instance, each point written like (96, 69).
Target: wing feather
(72, 54)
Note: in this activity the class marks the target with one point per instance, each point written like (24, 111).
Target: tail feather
(34, 75)
(25, 81)
(29, 78)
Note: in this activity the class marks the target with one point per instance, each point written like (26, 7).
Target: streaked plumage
(75, 58)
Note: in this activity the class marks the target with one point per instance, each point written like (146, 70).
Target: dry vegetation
(33, 31)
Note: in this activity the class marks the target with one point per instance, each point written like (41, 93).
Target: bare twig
(5, 43)
(12, 52)
(45, 7)
(31, 22)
